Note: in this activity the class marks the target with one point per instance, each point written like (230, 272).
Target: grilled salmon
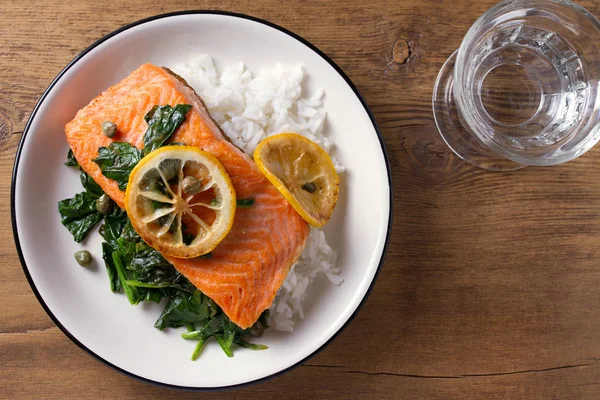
(250, 264)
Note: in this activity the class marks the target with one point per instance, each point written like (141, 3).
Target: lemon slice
(180, 201)
(303, 172)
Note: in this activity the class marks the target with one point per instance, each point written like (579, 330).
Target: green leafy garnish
(162, 122)
(145, 275)
(90, 185)
(146, 259)
(244, 203)
(186, 308)
(111, 231)
(117, 161)
(129, 233)
(130, 291)
(71, 161)
(251, 346)
(113, 227)
(111, 269)
(79, 214)
(225, 332)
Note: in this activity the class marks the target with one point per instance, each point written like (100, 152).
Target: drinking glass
(522, 89)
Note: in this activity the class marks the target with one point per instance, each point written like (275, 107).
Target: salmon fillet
(250, 264)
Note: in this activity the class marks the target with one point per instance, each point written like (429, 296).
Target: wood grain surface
(491, 286)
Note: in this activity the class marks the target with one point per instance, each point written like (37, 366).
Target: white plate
(79, 300)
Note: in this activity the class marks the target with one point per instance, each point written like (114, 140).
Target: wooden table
(491, 287)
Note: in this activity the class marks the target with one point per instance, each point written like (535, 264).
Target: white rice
(249, 107)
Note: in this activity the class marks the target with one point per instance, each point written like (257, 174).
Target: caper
(310, 187)
(191, 185)
(104, 204)
(109, 128)
(83, 258)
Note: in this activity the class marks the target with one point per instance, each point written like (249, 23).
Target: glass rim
(463, 56)
(471, 34)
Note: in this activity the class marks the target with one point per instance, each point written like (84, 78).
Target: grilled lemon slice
(303, 172)
(180, 200)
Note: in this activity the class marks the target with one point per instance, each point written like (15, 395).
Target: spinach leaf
(225, 343)
(113, 226)
(185, 308)
(142, 272)
(71, 161)
(130, 291)
(129, 233)
(111, 269)
(117, 254)
(146, 258)
(162, 122)
(126, 250)
(251, 346)
(244, 203)
(117, 160)
(225, 332)
(150, 270)
(90, 185)
(79, 214)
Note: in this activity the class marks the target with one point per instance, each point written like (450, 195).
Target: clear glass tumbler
(522, 89)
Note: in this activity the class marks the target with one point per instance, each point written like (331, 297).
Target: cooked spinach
(79, 214)
(119, 263)
(90, 185)
(71, 160)
(244, 203)
(129, 233)
(150, 270)
(186, 308)
(162, 122)
(146, 258)
(225, 332)
(111, 269)
(251, 346)
(117, 161)
(145, 275)
(113, 226)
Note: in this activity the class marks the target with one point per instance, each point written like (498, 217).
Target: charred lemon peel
(302, 172)
(171, 217)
